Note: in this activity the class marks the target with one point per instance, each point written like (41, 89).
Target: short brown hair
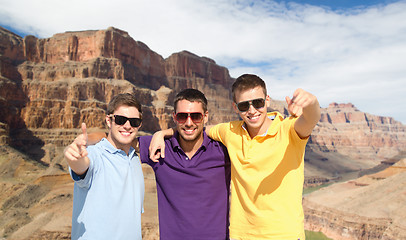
(246, 82)
(192, 95)
(123, 99)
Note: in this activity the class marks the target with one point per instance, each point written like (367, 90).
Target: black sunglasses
(121, 120)
(257, 103)
(182, 117)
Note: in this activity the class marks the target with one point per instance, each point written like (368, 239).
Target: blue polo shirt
(108, 202)
(192, 193)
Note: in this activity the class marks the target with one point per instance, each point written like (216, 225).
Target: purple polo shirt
(193, 193)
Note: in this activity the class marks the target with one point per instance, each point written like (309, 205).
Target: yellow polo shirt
(267, 176)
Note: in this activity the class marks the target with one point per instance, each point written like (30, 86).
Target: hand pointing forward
(76, 153)
(300, 100)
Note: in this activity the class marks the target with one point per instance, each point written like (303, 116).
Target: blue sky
(340, 50)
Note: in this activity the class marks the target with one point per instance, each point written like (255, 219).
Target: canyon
(48, 87)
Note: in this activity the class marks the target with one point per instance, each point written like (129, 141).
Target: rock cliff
(346, 140)
(371, 135)
(59, 82)
(370, 207)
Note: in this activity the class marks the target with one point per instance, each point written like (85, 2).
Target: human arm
(305, 106)
(207, 129)
(76, 153)
(157, 145)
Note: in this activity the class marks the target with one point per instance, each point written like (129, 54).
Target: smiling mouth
(126, 134)
(253, 118)
(189, 131)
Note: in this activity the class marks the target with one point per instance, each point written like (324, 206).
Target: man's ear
(235, 108)
(108, 121)
(173, 117)
(206, 117)
(267, 101)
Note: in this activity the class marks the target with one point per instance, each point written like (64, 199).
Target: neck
(260, 130)
(117, 145)
(190, 147)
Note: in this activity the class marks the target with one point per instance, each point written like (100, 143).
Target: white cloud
(353, 56)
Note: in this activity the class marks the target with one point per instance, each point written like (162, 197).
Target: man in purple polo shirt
(194, 177)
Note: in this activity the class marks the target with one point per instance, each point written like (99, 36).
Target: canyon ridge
(48, 87)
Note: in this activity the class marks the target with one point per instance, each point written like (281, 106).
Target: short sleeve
(87, 180)
(295, 139)
(218, 132)
(144, 142)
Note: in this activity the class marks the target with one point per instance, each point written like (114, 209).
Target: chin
(189, 138)
(125, 141)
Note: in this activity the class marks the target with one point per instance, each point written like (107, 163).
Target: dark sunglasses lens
(243, 106)
(258, 103)
(181, 117)
(196, 117)
(120, 120)
(135, 122)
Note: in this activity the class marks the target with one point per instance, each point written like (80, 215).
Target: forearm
(312, 113)
(166, 132)
(79, 167)
(309, 118)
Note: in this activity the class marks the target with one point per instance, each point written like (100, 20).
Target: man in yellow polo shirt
(267, 161)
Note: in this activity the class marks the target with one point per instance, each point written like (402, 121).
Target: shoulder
(215, 144)
(98, 147)
(228, 126)
(216, 150)
(144, 141)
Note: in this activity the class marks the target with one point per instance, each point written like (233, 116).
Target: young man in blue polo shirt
(109, 183)
(194, 177)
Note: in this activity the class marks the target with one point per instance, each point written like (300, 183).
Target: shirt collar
(276, 118)
(111, 149)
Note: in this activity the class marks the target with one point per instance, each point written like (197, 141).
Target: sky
(343, 51)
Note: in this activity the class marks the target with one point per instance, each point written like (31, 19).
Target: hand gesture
(76, 153)
(305, 106)
(157, 147)
(300, 100)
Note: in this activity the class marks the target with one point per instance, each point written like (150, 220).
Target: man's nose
(127, 124)
(188, 121)
(251, 108)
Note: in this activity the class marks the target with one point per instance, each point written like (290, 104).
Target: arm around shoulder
(157, 145)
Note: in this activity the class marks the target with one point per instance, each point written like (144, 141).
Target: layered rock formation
(370, 207)
(59, 82)
(370, 135)
(347, 139)
(49, 86)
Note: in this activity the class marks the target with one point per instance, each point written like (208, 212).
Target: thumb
(84, 131)
(288, 100)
